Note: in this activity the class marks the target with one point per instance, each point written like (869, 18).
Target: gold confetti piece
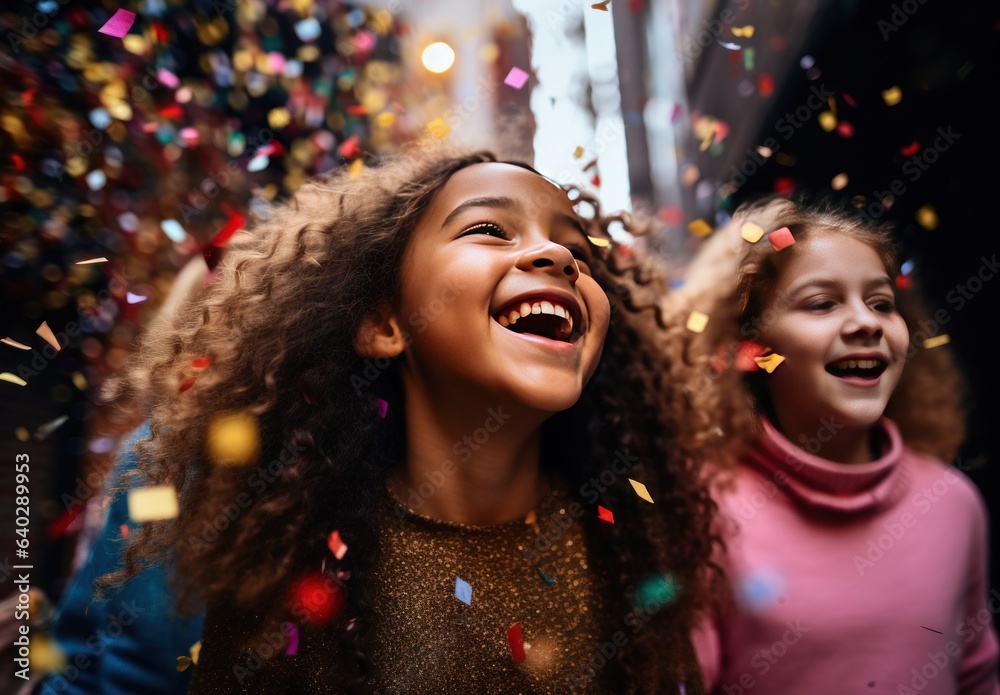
(233, 440)
(152, 503)
(696, 321)
(641, 490)
(183, 662)
(80, 381)
(892, 96)
(827, 121)
(7, 376)
(578, 152)
(839, 182)
(46, 655)
(937, 341)
(751, 232)
(438, 128)
(14, 343)
(46, 333)
(927, 217)
(598, 241)
(707, 140)
(600, 5)
(102, 259)
(770, 362)
(357, 166)
(22, 434)
(700, 227)
(195, 652)
(746, 32)
(278, 118)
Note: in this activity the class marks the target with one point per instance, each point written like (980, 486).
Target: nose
(862, 320)
(552, 257)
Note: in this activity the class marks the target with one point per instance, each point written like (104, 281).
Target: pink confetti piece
(293, 641)
(516, 78)
(781, 238)
(676, 113)
(168, 78)
(119, 24)
(383, 408)
(134, 298)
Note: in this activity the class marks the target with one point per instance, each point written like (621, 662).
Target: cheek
(899, 337)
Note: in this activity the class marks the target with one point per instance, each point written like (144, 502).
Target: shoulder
(943, 484)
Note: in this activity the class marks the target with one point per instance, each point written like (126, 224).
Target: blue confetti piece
(47, 6)
(463, 591)
(545, 578)
(174, 230)
(308, 29)
(759, 590)
(906, 268)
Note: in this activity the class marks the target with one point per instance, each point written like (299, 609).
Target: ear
(379, 335)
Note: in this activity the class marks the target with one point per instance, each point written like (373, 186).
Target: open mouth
(543, 318)
(870, 368)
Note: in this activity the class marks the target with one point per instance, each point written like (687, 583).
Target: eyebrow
(499, 202)
(827, 284)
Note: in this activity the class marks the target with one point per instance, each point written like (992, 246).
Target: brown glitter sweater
(446, 600)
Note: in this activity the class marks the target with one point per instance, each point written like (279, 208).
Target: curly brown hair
(730, 280)
(278, 324)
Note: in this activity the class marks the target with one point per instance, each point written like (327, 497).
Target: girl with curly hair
(855, 557)
(461, 465)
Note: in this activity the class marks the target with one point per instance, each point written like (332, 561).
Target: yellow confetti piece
(827, 121)
(707, 140)
(696, 321)
(839, 182)
(46, 333)
(22, 434)
(46, 655)
(751, 232)
(102, 259)
(746, 31)
(641, 490)
(233, 439)
(578, 152)
(278, 118)
(438, 128)
(7, 376)
(355, 169)
(700, 227)
(937, 341)
(927, 217)
(15, 344)
(195, 652)
(598, 241)
(770, 362)
(80, 381)
(152, 503)
(892, 96)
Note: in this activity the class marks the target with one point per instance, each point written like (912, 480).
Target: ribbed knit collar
(844, 488)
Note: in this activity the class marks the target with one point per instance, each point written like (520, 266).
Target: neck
(830, 440)
(476, 465)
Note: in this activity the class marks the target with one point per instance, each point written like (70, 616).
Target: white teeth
(536, 308)
(540, 307)
(547, 308)
(525, 309)
(857, 364)
(502, 320)
(513, 316)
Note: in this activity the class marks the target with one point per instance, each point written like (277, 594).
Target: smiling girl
(442, 355)
(856, 559)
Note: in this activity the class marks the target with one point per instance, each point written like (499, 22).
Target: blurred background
(144, 151)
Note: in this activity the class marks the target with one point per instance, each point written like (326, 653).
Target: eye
(578, 252)
(819, 305)
(886, 306)
(489, 228)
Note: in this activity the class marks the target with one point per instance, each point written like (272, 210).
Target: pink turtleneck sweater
(852, 578)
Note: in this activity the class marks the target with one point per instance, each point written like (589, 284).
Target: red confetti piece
(349, 148)
(849, 100)
(671, 215)
(61, 523)
(201, 363)
(784, 186)
(765, 85)
(357, 110)
(124, 530)
(18, 161)
(336, 545)
(317, 597)
(902, 282)
(188, 383)
(596, 181)
(233, 224)
(781, 238)
(172, 111)
(845, 129)
(604, 514)
(119, 24)
(910, 149)
(516, 640)
(161, 33)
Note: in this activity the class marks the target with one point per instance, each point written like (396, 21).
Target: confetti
(195, 652)
(781, 238)
(119, 24)
(578, 152)
(336, 545)
(357, 166)
(438, 128)
(545, 578)
(15, 344)
(604, 514)
(839, 182)
(937, 340)
(317, 597)
(641, 490)
(516, 78)
(927, 217)
(49, 427)
(910, 149)
(700, 227)
(102, 259)
(759, 589)
(892, 96)
(765, 85)
(827, 121)
(730, 46)
(770, 362)
(46, 333)
(7, 376)
(186, 384)
(134, 298)
(751, 232)
(173, 230)
(463, 591)
(655, 591)
(293, 640)
(383, 407)
(233, 439)
(123, 530)
(516, 641)
(746, 31)
(696, 323)
(233, 224)
(845, 129)
(152, 503)
(183, 662)
(599, 242)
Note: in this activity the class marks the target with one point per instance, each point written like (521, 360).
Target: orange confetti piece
(46, 333)
(781, 238)
(233, 439)
(892, 96)
(603, 6)
(438, 128)
(699, 227)
(183, 662)
(770, 362)
(123, 529)
(937, 341)
(13, 343)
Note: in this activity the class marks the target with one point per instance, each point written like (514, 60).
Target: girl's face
(497, 295)
(832, 315)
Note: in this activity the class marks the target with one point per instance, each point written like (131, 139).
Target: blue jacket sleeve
(128, 644)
